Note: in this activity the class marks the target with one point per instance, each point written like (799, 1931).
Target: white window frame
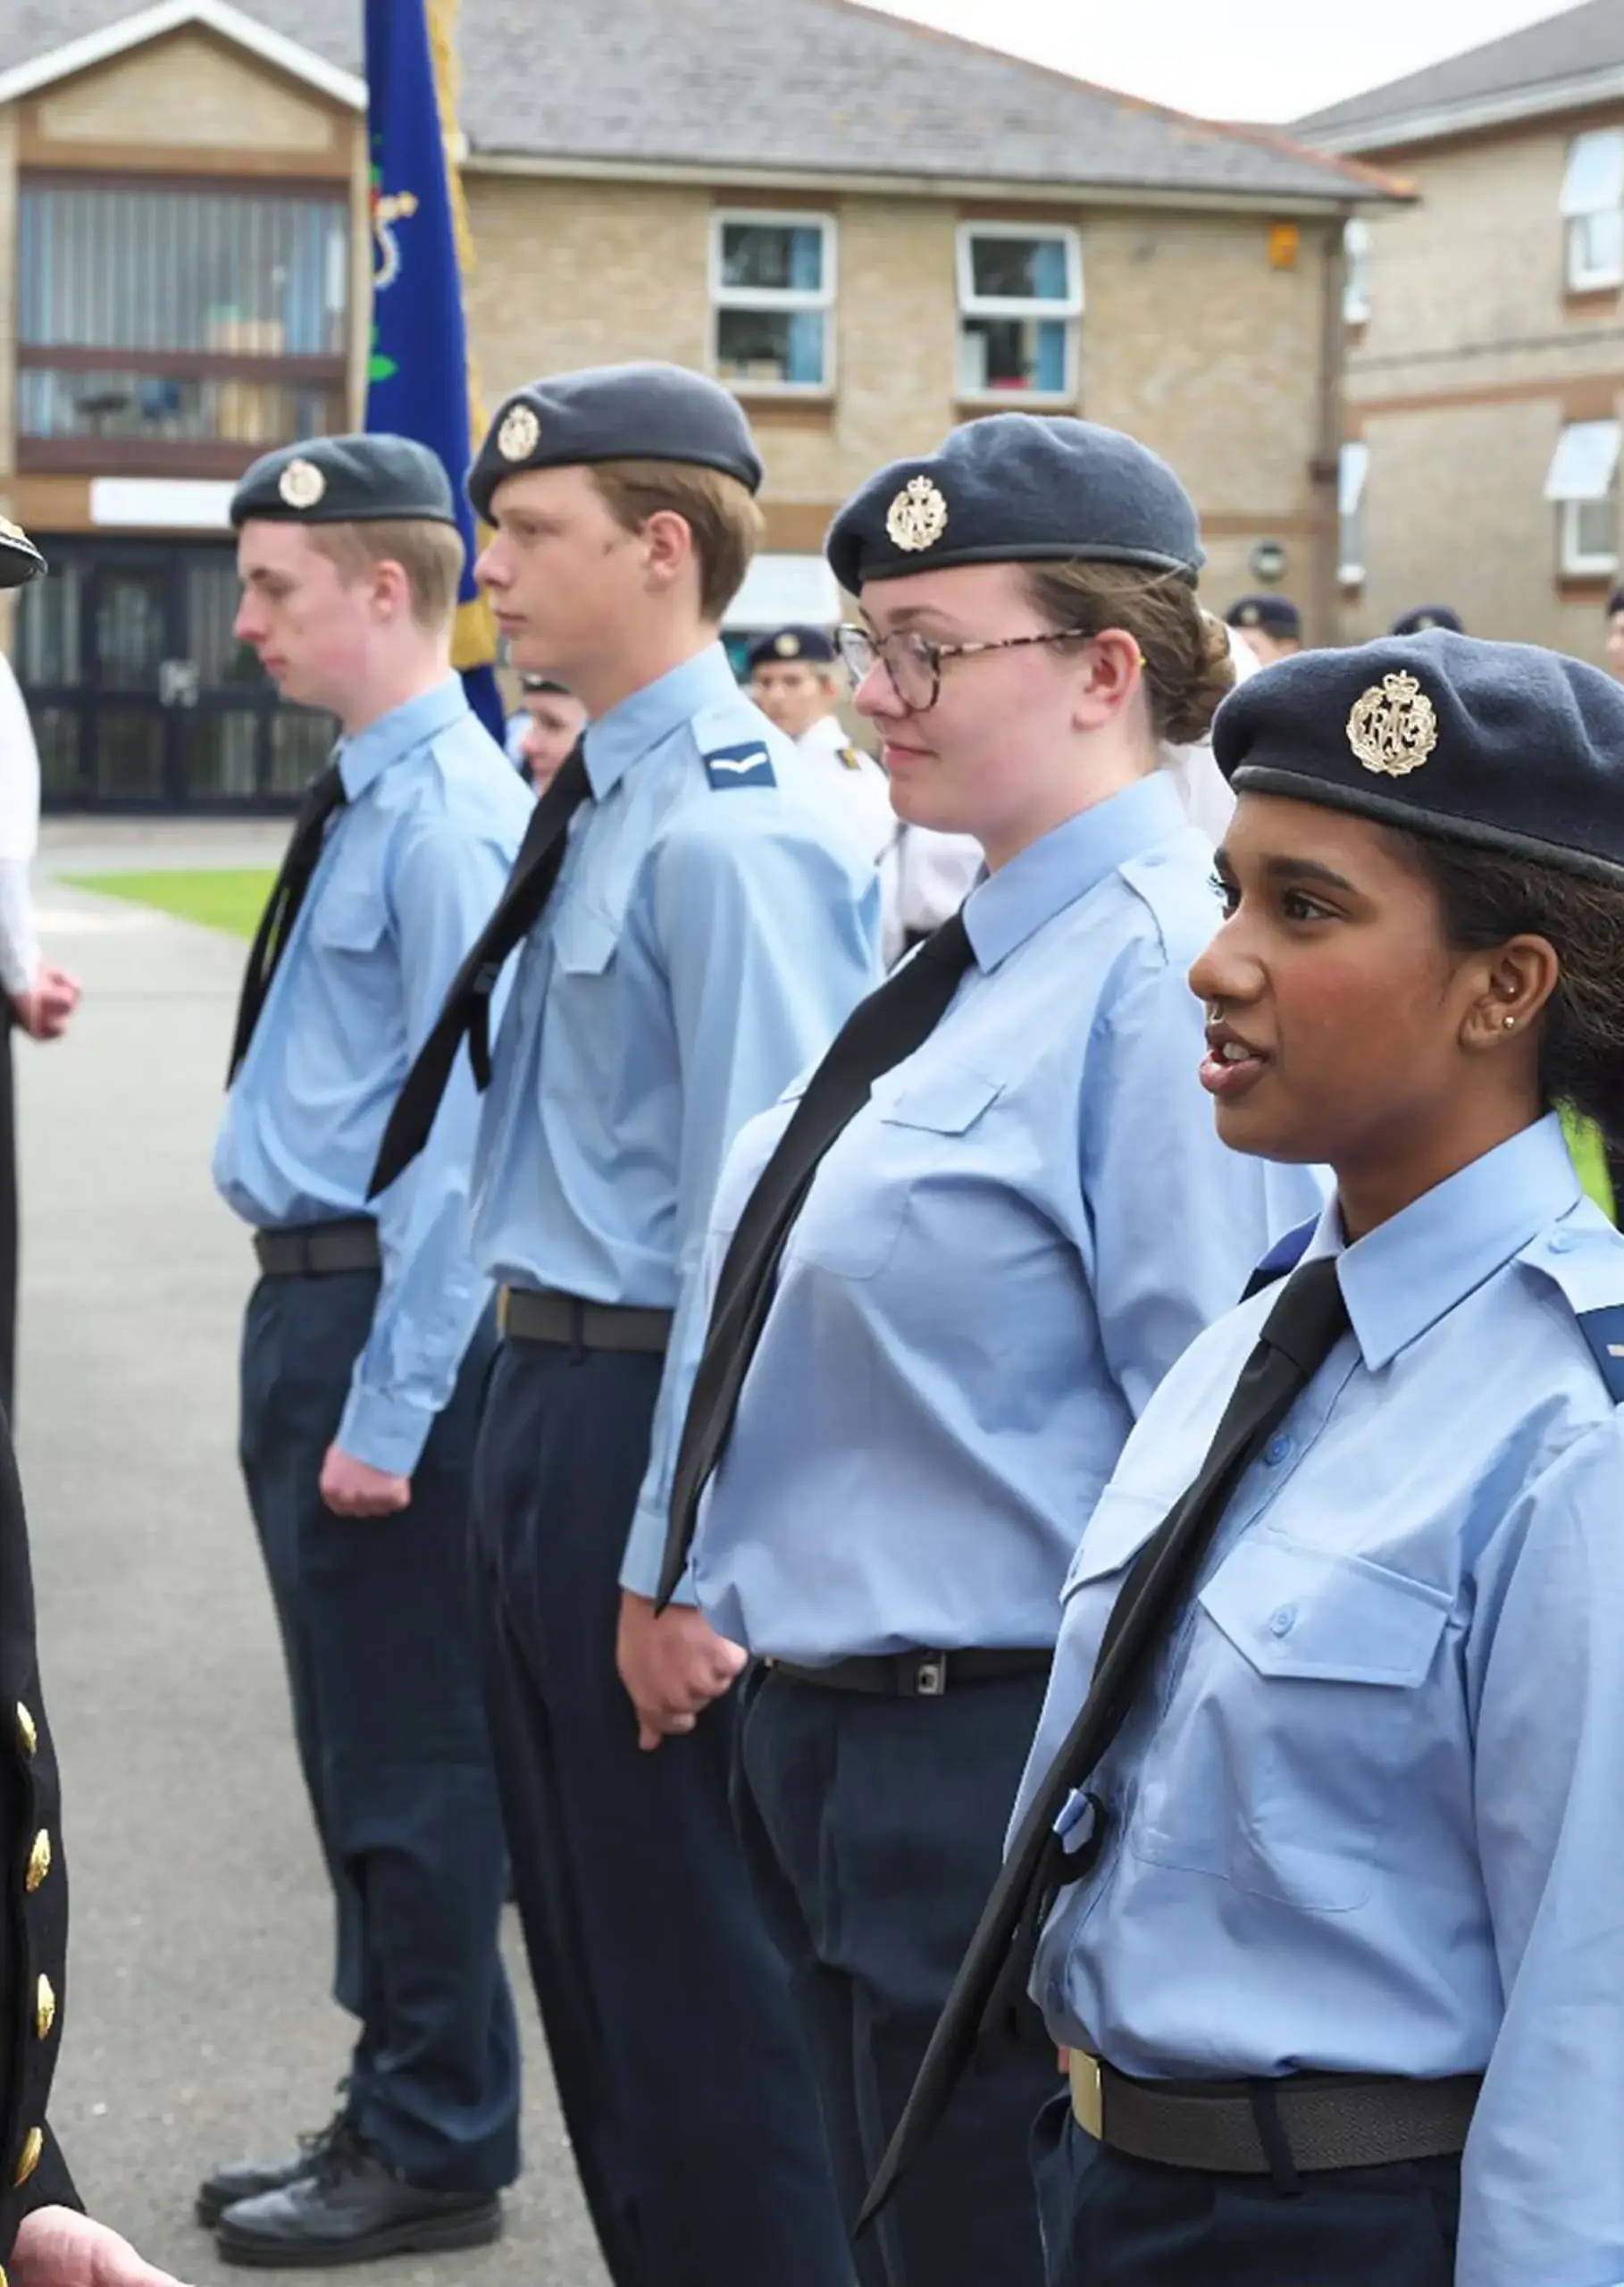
(775, 298)
(1353, 475)
(1067, 313)
(1570, 496)
(1575, 210)
(1356, 271)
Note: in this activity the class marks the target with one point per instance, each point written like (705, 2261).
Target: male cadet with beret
(710, 929)
(1426, 617)
(1270, 626)
(45, 2241)
(543, 732)
(366, 1344)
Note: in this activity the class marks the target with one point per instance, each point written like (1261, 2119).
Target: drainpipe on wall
(1324, 613)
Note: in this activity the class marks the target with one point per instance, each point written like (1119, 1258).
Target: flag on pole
(420, 381)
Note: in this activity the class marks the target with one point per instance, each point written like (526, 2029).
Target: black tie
(1297, 1338)
(322, 797)
(880, 1032)
(467, 1009)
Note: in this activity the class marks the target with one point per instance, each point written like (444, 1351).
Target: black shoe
(349, 2209)
(247, 2179)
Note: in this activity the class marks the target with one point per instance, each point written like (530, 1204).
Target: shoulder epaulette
(1282, 1259)
(1583, 1260)
(732, 755)
(849, 756)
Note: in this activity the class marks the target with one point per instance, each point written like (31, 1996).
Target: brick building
(868, 230)
(1486, 345)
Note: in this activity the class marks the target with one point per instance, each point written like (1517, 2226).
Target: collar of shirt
(1066, 863)
(1411, 1272)
(617, 739)
(363, 759)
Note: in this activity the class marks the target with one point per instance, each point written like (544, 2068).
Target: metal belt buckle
(503, 1299)
(930, 1677)
(1087, 2097)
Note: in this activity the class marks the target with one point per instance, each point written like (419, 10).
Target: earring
(1509, 1022)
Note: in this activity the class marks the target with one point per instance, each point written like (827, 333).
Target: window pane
(1595, 176)
(1595, 244)
(1351, 545)
(1014, 353)
(1585, 465)
(223, 664)
(48, 617)
(1596, 528)
(56, 736)
(171, 269)
(770, 346)
(773, 257)
(1029, 270)
(301, 746)
(224, 410)
(129, 761)
(220, 756)
(131, 610)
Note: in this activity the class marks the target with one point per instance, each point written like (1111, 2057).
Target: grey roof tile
(1559, 48)
(704, 83)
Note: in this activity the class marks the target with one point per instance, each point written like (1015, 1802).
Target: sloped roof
(703, 83)
(1563, 60)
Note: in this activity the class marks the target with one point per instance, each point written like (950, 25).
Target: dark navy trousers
(874, 1829)
(686, 2086)
(1110, 2221)
(377, 1630)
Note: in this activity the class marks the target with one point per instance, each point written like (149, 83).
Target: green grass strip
(229, 900)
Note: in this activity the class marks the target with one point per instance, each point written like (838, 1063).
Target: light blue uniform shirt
(710, 933)
(996, 1263)
(412, 865)
(1369, 1814)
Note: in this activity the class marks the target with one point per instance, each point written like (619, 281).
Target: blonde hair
(720, 512)
(430, 553)
(1187, 667)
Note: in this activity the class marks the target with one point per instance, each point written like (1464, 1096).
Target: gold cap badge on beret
(9, 530)
(787, 646)
(519, 434)
(1251, 616)
(917, 517)
(301, 484)
(1394, 727)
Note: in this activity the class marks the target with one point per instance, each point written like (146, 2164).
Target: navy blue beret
(1018, 488)
(1274, 615)
(787, 643)
(345, 481)
(1500, 745)
(1426, 616)
(19, 560)
(615, 413)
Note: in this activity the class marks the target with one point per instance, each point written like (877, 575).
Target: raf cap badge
(1394, 727)
(917, 516)
(301, 484)
(519, 434)
(1251, 616)
(788, 647)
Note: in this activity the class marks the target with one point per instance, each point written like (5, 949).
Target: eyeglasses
(914, 663)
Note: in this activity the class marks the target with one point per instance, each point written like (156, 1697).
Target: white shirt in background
(1206, 793)
(924, 877)
(18, 836)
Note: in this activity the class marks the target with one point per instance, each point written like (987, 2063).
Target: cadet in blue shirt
(367, 1339)
(1339, 1827)
(708, 932)
(1024, 1221)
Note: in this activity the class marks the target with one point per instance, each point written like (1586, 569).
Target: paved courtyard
(198, 2024)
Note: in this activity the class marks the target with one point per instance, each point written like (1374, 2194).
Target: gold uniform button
(45, 2011)
(28, 1731)
(39, 1861)
(32, 2148)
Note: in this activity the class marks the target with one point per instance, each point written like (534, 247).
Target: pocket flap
(353, 920)
(584, 940)
(1294, 1611)
(947, 1101)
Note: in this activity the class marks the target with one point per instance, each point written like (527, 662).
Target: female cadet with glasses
(1022, 1220)
(1330, 1781)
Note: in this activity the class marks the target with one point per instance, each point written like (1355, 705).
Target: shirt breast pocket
(584, 940)
(854, 1213)
(1292, 1723)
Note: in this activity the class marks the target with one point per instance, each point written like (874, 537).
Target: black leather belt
(318, 1250)
(539, 1314)
(1308, 2121)
(920, 1675)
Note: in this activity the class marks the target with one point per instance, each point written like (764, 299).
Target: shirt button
(39, 1861)
(26, 1730)
(1279, 1450)
(45, 2008)
(1281, 1623)
(1563, 1243)
(33, 2146)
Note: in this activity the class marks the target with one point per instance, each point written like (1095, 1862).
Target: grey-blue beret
(19, 560)
(1274, 615)
(1426, 616)
(615, 413)
(345, 480)
(1499, 745)
(1018, 488)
